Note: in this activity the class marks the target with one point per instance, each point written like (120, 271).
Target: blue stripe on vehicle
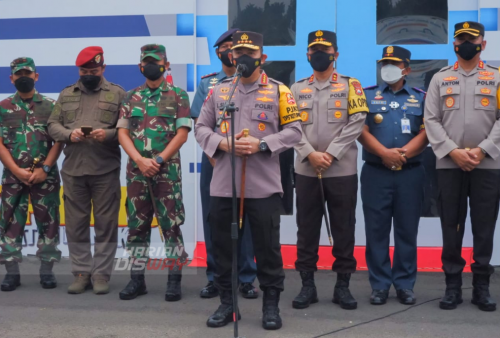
(73, 27)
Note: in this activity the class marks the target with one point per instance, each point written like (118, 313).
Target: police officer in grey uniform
(246, 262)
(333, 110)
(462, 120)
(91, 169)
(267, 108)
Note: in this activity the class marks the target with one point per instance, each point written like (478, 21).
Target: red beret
(90, 57)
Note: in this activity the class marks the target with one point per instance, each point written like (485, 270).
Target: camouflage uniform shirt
(24, 132)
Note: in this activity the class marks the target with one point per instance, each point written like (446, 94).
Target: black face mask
(90, 82)
(468, 50)
(152, 71)
(224, 57)
(320, 61)
(250, 63)
(24, 84)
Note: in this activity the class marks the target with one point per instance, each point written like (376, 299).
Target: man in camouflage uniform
(154, 124)
(91, 169)
(23, 139)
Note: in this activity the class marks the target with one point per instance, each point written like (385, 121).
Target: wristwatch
(263, 146)
(159, 160)
(46, 168)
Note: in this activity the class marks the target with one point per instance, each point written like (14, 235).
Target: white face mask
(391, 74)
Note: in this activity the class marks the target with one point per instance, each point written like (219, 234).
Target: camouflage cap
(155, 51)
(22, 63)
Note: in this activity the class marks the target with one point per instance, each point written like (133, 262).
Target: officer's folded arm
(58, 132)
(350, 132)
(304, 149)
(285, 139)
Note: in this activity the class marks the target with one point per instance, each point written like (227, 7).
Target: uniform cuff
(123, 123)
(273, 143)
(443, 150)
(490, 149)
(184, 122)
(336, 151)
(305, 151)
(213, 145)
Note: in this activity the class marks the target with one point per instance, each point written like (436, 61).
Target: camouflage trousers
(168, 199)
(45, 200)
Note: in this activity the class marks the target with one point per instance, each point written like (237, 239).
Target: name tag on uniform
(405, 125)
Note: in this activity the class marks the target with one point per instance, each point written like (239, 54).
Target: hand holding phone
(86, 130)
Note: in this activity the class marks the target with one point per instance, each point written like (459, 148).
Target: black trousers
(482, 188)
(340, 195)
(263, 215)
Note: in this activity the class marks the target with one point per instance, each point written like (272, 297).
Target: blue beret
(227, 36)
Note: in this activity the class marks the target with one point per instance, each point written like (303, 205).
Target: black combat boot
(453, 294)
(308, 294)
(481, 293)
(47, 278)
(173, 292)
(12, 279)
(137, 285)
(224, 314)
(341, 293)
(271, 319)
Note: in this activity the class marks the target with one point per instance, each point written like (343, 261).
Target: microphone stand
(230, 109)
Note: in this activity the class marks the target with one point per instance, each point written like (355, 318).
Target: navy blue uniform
(392, 196)
(246, 263)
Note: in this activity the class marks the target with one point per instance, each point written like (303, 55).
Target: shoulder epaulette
(495, 68)
(275, 81)
(208, 75)
(117, 85)
(445, 68)
(370, 87)
(304, 79)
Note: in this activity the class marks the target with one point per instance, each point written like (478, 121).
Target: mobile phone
(86, 130)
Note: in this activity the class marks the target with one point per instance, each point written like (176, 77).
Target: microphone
(241, 68)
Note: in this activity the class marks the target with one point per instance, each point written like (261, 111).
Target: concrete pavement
(31, 311)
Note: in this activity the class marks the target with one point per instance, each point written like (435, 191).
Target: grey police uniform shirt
(462, 111)
(333, 115)
(207, 82)
(269, 111)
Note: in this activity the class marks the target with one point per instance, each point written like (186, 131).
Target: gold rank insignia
(244, 39)
(378, 118)
(390, 50)
(412, 99)
(466, 25)
(319, 33)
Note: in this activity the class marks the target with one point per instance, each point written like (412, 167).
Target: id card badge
(405, 125)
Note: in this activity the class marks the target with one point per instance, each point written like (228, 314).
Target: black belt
(403, 167)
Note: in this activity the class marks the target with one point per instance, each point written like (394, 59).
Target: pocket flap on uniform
(67, 106)
(337, 104)
(305, 104)
(12, 120)
(449, 90)
(107, 106)
(261, 115)
(485, 91)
